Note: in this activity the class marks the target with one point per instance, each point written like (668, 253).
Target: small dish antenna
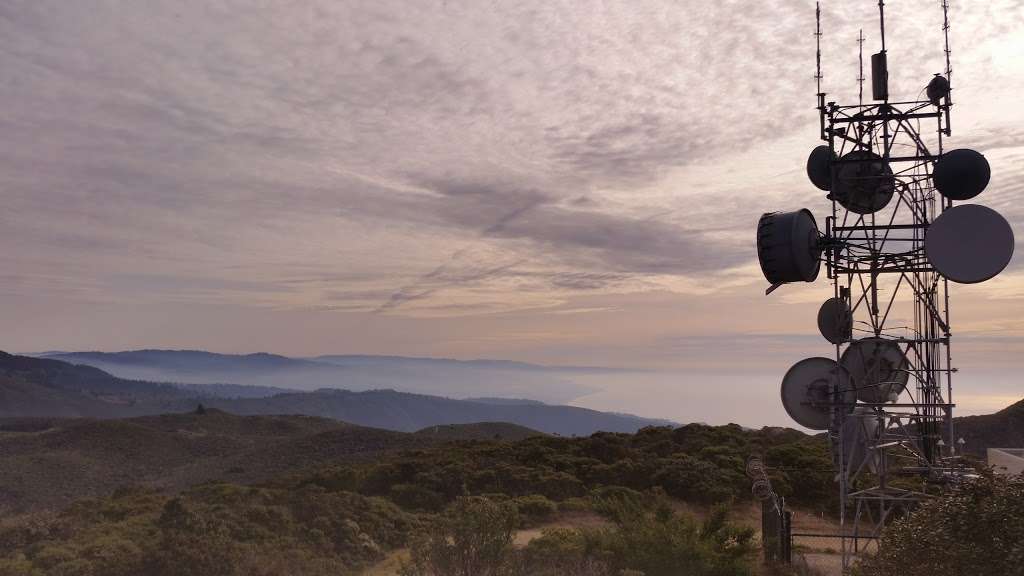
(864, 182)
(961, 174)
(819, 167)
(835, 321)
(807, 391)
(969, 243)
(788, 247)
(878, 367)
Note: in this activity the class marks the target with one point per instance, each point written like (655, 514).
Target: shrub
(558, 552)
(559, 485)
(655, 541)
(978, 528)
(534, 509)
(693, 479)
(413, 497)
(18, 566)
(472, 538)
(574, 505)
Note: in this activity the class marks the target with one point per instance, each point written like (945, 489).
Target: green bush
(534, 509)
(413, 497)
(655, 541)
(18, 566)
(472, 538)
(211, 530)
(689, 478)
(978, 528)
(574, 505)
(558, 552)
(607, 498)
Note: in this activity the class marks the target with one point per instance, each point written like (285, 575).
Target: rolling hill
(1003, 429)
(43, 387)
(410, 412)
(503, 431)
(49, 463)
(46, 387)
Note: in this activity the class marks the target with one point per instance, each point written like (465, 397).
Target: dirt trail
(392, 562)
(389, 565)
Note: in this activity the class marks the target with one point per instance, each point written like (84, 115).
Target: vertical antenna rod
(945, 31)
(817, 73)
(949, 70)
(860, 78)
(817, 34)
(881, 20)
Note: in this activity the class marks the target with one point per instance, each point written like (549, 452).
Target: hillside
(1003, 429)
(52, 388)
(330, 509)
(410, 412)
(43, 387)
(503, 431)
(50, 463)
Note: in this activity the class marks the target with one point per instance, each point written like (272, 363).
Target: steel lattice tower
(893, 242)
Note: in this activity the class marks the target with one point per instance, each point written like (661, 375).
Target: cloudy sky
(557, 182)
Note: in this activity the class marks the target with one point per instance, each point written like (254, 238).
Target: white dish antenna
(879, 369)
(807, 392)
(969, 243)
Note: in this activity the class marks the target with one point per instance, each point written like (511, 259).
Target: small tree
(976, 529)
(472, 538)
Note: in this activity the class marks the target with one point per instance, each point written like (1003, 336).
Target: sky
(568, 183)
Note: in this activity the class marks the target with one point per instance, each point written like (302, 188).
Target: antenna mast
(892, 243)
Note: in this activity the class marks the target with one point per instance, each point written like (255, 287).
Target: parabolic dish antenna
(819, 167)
(878, 368)
(961, 174)
(807, 391)
(787, 246)
(835, 320)
(864, 182)
(969, 243)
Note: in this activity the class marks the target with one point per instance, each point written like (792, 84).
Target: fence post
(787, 537)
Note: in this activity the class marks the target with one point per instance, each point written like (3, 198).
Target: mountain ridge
(440, 376)
(53, 388)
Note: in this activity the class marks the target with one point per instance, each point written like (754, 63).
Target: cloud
(444, 276)
(450, 158)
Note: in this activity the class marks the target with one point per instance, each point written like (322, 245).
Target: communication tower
(897, 235)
